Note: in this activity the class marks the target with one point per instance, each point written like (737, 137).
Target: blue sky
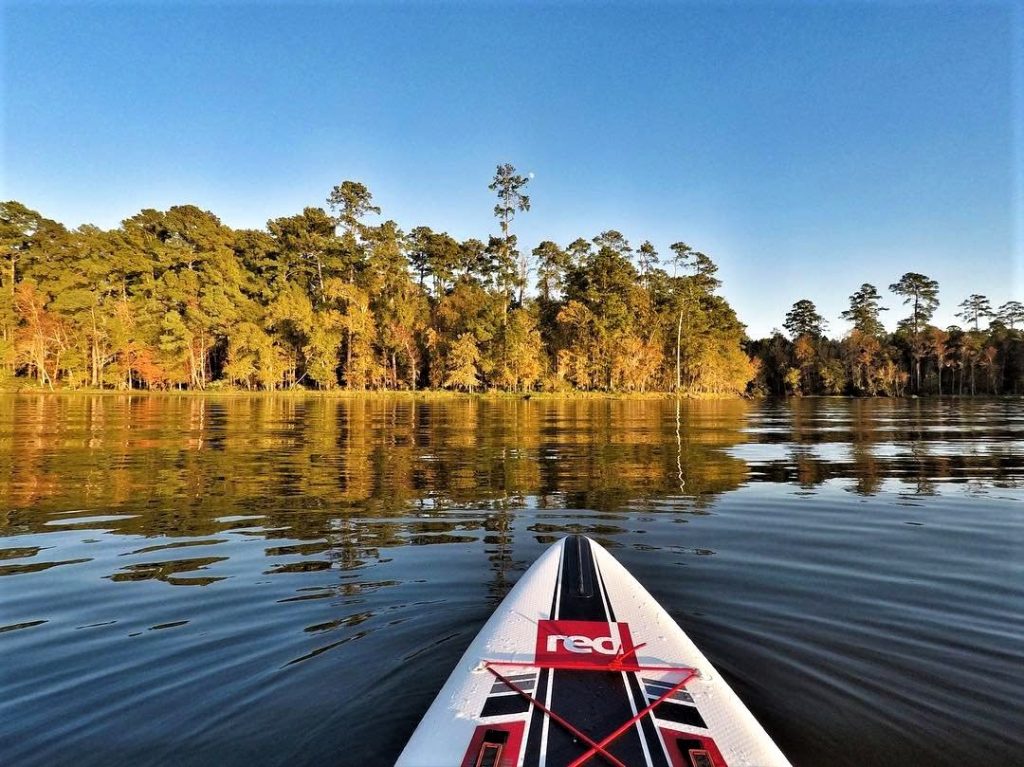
(807, 147)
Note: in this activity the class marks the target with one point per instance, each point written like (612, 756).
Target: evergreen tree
(175, 298)
(1011, 314)
(647, 259)
(922, 293)
(552, 265)
(803, 320)
(511, 265)
(973, 308)
(864, 311)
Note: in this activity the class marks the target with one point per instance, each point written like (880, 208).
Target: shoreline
(443, 394)
(424, 394)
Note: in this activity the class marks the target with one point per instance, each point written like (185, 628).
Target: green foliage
(918, 357)
(973, 308)
(864, 311)
(1011, 314)
(351, 201)
(176, 299)
(511, 267)
(803, 319)
(552, 265)
(922, 293)
(647, 258)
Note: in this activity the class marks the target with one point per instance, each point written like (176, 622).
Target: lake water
(270, 580)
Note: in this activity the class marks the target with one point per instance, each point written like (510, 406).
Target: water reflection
(274, 559)
(325, 454)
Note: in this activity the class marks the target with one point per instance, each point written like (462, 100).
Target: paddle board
(579, 665)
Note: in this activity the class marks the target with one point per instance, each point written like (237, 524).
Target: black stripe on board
(501, 705)
(531, 756)
(579, 602)
(656, 689)
(647, 724)
(596, 702)
(681, 713)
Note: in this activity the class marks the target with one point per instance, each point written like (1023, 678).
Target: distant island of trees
(325, 300)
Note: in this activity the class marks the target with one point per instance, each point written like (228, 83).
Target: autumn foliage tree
(334, 297)
(869, 361)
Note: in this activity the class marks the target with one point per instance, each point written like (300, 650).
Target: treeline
(324, 299)
(919, 358)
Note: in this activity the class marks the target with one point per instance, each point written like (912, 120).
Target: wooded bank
(326, 300)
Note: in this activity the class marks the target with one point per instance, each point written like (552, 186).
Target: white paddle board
(579, 665)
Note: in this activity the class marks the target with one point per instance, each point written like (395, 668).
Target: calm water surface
(285, 580)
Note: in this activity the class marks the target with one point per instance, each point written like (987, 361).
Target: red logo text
(581, 643)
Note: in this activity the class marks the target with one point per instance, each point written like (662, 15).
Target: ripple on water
(170, 571)
(23, 625)
(38, 567)
(20, 553)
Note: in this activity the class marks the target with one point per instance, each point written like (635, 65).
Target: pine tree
(512, 266)
(973, 308)
(864, 311)
(803, 320)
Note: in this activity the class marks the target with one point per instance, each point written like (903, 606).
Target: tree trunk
(679, 340)
(94, 376)
(202, 359)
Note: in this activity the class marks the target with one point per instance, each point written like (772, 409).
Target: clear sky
(807, 147)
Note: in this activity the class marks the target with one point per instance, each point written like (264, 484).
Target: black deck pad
(595, 702)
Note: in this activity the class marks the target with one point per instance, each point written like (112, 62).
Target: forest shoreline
(176, 299)
(347, 394)
(449, 395)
